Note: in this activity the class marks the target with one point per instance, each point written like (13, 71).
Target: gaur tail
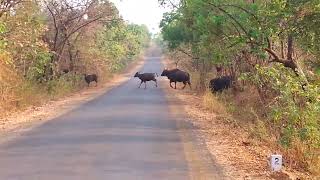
(189, 81)
(188, 76)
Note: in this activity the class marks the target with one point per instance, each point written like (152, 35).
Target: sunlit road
(128, 133)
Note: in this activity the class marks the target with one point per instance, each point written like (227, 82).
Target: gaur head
(165, 72)
(65, 70)
(136, 75)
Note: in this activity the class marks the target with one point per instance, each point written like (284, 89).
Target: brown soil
(17, 122)
(240, 156)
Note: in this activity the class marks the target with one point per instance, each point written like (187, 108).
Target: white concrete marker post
(276, 162)
(85, 17)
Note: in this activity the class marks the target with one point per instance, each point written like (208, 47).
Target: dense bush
(294, 111)
(271, 48)
(121, 42)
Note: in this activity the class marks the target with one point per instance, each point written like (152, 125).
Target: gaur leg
(175, 85)
(140, 83)
(96, 83)
(171, 84)
(189, 84)
(145, 85)
(185, 83)
(155, 80)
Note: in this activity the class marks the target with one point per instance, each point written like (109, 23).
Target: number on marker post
(276, 162)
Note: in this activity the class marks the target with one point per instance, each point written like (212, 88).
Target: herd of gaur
(177, 75)
(174, 75)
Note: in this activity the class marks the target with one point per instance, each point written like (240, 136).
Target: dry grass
(252, 115)
(22, 94)
(315, 164)
(243, 110)
(8, 85)
(24, 103)
(298, 159)
(212, 104)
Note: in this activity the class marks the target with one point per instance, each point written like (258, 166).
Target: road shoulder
(202, 165)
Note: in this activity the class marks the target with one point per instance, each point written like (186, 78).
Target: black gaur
(65, 71)
(144, 77)
(176, 75)
(220, 83)
(90, 78)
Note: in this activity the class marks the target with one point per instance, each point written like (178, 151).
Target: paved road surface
(127, 133)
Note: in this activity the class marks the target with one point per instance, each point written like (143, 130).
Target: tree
(121, 42)
(271, 44)
(68, 21)
(22, 35)
(8, 5)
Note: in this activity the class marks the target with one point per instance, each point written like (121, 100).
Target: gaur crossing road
(125, 134)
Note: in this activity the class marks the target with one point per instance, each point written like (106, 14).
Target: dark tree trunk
(203, 74)
(282, 50)
(290, 48)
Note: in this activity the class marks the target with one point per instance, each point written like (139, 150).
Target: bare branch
(174, 6)
(55, 26)
(7, 5)
(186, 53)
(229, 15)
(245, 10)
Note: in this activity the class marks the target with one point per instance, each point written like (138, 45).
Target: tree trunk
(282, 49)
(203, 74)
(290, 48)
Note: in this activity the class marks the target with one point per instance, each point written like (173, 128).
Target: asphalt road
(127, 133)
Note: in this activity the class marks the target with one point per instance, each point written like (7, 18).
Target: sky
(146, 12)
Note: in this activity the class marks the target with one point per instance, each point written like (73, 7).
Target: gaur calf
(90, 78)
(144, 77)
(176, 75)
(220, 83)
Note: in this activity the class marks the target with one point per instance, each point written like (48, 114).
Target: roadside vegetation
(47, 46)
(272, 51)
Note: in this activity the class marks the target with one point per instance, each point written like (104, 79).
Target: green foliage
(64, 85)
(22, 35)
(246, 33)
(234, 25)
(121, 42)
(158, 39)
(37, 47)
(295, 111)
(3, 42)
(173, 31)
(38, 68)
